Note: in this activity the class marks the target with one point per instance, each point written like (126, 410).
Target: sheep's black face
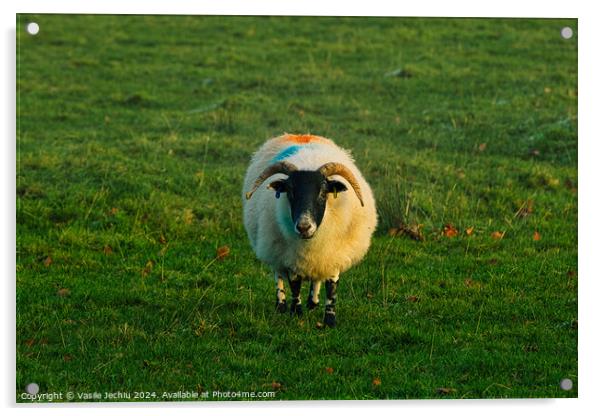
(307, 192)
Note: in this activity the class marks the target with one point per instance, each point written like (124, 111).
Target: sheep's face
(307, 193)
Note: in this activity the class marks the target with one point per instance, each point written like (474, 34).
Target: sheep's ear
(335, 187)
(279, 186)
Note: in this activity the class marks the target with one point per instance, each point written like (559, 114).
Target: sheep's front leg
(313, 299)
(295, 284)
(280, 293)
(331, 301)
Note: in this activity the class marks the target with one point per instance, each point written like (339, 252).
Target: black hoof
(330, 320)
(296, 310)
(311, 304)
(281, 307)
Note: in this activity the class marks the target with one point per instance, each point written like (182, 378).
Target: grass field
(133, 137)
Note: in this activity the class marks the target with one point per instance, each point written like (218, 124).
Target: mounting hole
(33, 28)
(566, 384)
(566, 32)
(32, 388)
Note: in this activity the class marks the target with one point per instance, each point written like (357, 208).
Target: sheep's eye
(284, 189)
(279, 187)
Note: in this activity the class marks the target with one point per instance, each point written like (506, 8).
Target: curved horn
(281, 167)
(334, 168)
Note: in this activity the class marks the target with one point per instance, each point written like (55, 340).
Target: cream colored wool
(342, 239)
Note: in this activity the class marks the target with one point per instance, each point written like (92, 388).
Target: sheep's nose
(303, 227)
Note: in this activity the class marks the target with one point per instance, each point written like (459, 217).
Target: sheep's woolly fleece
(342, 239)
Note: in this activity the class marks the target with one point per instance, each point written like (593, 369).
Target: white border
(468, 8)
(590, 223)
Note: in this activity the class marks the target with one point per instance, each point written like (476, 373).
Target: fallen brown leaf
(570, 186)
(376, 382)
(319, 325)
(473, 284)
(450, 231)
(276, 385)
(482, 147)
(536, 236)
(469, 231)
(147, 268)
(496, 235)
(222, 252)
(414, 231)
(64, 292)
(413, 298)
(525, 209)
(329, 370)
(445, 390)
(107, 250)
(48, 261)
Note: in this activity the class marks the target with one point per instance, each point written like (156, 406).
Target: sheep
(320, 229)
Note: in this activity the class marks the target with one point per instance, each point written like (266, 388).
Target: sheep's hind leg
(314, 294)
(295, 284)
(331, 301)
(280, 293)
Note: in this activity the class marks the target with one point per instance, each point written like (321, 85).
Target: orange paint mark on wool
(302, 138)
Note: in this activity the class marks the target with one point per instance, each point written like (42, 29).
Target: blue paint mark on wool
(289, 151)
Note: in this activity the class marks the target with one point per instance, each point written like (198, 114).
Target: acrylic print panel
(136, 280)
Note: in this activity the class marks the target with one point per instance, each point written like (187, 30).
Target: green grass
(133, 137)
